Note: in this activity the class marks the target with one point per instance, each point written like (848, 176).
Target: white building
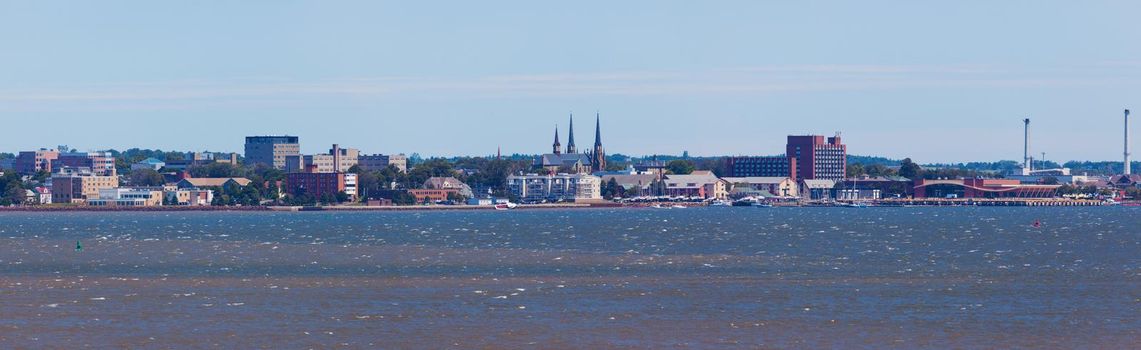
(351, 185)
(195, 197)
(127, 197)
(560, 187)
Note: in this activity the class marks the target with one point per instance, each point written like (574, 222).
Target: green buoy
(78, 246)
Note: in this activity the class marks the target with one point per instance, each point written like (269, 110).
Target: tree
(611, 189)
(680, 166)
(145, 177)
(855, 170)
(909, 169)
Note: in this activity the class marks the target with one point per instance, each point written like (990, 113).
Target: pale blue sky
(946, 81)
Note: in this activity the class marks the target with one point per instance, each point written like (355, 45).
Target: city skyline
(201, 77)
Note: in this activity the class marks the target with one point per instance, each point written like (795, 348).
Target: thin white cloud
(744, 80)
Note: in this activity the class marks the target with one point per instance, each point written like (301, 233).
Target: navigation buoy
(1036, 224)
(78, 246)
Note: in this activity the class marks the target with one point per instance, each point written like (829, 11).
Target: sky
(933, 81)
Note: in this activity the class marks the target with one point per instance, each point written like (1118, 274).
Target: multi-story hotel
(271, 150)
(817, 158)
(811, 157)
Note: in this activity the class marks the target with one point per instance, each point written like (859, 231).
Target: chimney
(1026, 146)
(1126, 168)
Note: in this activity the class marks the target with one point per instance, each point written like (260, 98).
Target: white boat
(675, 206)
(506, 206)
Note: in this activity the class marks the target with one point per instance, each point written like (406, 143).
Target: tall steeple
(570, 137)
(598, 155)
(557, 147)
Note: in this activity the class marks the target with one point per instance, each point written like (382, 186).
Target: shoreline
(646, 205)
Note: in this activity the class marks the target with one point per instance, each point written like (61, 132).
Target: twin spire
(571, 148)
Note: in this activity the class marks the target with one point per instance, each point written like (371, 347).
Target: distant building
(816, 189)
(700, 183)
(191, 159)
(817, 158)
(982, 188)
(271, 150)
(572, 161)
(874, 187)
(337, 160)
(319, 184)
(653, 166)
(193, 197)
(208, 182)
(426, 195)
(43, 195)
(448, 183)
(31, 162)
(100, 163)
(559, 187)
(149, 163)
(377, 162)
(71, 185)
(774, 186)
(774, 166)
(127, 197)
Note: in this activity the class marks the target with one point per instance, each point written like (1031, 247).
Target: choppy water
(641, 278)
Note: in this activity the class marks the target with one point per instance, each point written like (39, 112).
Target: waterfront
(586, 278)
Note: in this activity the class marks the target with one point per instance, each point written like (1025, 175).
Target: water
(625, 278)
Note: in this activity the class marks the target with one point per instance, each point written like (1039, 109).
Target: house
(207, 182)
(43, 195)
(768, 186)
(149, 163)
(700, 183)
(448, 183)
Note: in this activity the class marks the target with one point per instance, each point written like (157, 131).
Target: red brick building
(314, 184)
(817, 158)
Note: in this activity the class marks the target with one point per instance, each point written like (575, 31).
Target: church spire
(557, 146)
(597, 130)
(598, 155)
(570, 137)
